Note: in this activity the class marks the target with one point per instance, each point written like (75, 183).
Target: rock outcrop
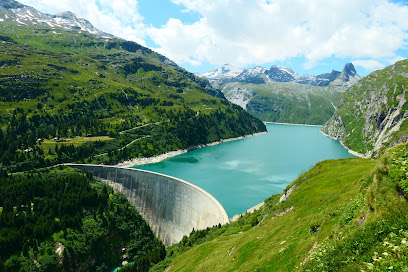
(239, 96)
(373, 113)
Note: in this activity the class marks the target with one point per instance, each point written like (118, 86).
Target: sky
(309, 36)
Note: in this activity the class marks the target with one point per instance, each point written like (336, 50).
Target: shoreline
(250, 210)
(290, 124)
(352, 152)
(167, 155)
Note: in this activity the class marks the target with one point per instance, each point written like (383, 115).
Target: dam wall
(171, 206)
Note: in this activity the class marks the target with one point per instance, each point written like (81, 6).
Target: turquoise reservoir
(241, 174)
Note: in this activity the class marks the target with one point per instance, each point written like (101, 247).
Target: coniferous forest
(67, 221)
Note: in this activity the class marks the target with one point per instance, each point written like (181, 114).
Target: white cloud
(244, 32)
(369, 65)
(394, 60)
(120, 17)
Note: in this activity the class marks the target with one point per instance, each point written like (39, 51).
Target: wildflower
(385, 253)
(370, 266)
(404, 241)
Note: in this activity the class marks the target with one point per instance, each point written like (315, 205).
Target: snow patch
(225, 71)
(58, 20)
(18, 21)
(29, 13)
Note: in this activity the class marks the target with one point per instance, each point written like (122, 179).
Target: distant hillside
(103, 99)
(373, 113)
(285, 102)
(279, 94)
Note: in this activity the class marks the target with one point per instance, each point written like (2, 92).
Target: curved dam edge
(171, 206)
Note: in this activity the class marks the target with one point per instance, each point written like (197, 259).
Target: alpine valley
(72, 93)
(280, 95)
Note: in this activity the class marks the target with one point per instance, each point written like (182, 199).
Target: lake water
(241, 174)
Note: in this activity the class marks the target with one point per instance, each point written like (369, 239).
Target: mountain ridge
(261, 75)
(27, 15)
(281, 95)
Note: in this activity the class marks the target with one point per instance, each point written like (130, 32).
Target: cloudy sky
(309, 36)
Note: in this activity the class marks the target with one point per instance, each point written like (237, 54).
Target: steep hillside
(373, 113)
(74, 94)
(343, 215)
(279, 94)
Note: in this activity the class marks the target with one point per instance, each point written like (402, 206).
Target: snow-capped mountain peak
(254, 71)
(260, 75)
(285, 69)
(11, 10)
(225, 71)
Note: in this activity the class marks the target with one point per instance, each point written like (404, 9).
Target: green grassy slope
(73, 84)
(290, 102)
(343, 212)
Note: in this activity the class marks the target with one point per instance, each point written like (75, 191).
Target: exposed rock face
(10, 4)
(278, 74)
(373, 113)
(240, 96)
(347, 77)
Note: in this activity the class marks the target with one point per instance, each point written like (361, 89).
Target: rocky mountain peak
(224, 72)
(280, 74)
(10, 4)
(11, 10)
(349, 73)
(227, 68)
(67, 15)
(349, 69)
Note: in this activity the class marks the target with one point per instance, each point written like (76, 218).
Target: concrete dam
(171, 206)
